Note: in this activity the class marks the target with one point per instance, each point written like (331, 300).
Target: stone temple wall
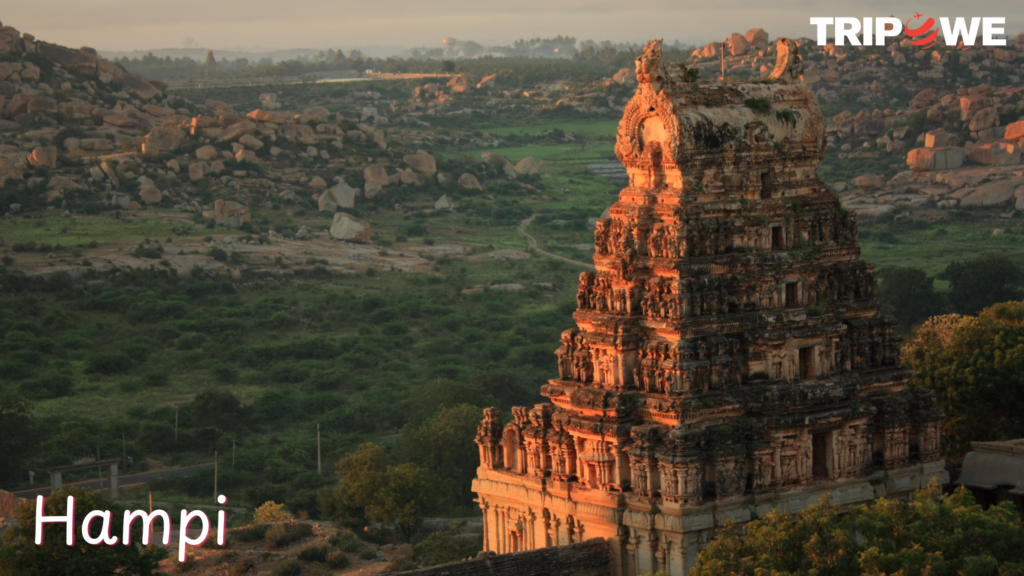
(588, 558)
(729, 357)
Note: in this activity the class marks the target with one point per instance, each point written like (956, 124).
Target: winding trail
(532, 243)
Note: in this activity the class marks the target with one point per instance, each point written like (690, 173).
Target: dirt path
(532, 242)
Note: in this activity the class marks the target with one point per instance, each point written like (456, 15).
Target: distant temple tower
(210, 60)
(729, 358)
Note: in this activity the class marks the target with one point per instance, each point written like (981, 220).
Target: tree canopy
(975, 367)
(909, 294)
(983, 281)
(220, 411)
(933, 535)
(20, 556)
(17, 440)
(372, 491)
(444, 445)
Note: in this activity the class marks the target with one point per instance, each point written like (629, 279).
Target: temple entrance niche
(821, 454)
(807, 371)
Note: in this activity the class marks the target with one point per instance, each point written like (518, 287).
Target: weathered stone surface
(9, 170)
(590, 558)
(443, 203)
(467, 180)
(206, 152)
(197, 170)
(499, 162)
(527, 166)
(1014, 131)
(340, 196)
(422, 163)
(150, 196)
(996, 153)
(984, 118)
(757, 36)
(869, 181)
(139, 87)
(738, 45)
(923, 159)
(298, 133)
(1018, 198)
(376, 178)
(936, 138)
(246, 156)
(229, 213)
(272, 117)
(76, 60)
(251, 142)
(317, 183)
(234, 131)
(163, 139)
(990, 194)
(42, 105)
(44, 156)
(351, 229)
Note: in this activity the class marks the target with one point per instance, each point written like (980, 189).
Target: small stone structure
(56, 480)
(994, 471)
(729, 358)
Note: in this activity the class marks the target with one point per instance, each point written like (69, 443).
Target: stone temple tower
(729, 357)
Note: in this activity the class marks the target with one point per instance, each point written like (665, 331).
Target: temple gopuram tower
(729, 356)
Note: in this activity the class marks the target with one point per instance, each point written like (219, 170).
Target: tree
(908, 294)
(444, 445)
(219, 411)
(983, 281)
(20, 556)
(934, 534)
(688, 74)
(371, 491)
(975, 368)
(17, 438)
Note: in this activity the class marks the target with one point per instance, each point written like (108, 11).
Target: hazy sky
(248, 24)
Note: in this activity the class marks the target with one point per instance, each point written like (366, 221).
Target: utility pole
(99, 469)
(150, 502)
(232, 454)
(723, 62)
(175, 424)
(318, 449)
(214, 474)
(124, 451)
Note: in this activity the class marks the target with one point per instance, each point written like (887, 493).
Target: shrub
(337, 559)
(109, 363)
(314, 553)
(156, 379)
(269, 513)
(52, 386)
(367, 554)
(190, 341)
(224, 372)
(289, 568)
(137, 351)
(759, 105)
(130, 386)
(275, 533)
(219, 254)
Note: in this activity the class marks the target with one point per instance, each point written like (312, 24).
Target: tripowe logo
(923, 34)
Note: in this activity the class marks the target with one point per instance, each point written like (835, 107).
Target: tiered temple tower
(729, 356)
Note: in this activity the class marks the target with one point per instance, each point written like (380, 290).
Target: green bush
(225, 372)
(156, 379)
(108, 363)
(367, 554)
(314, 553)
(759, 105)
(289, 568)
(190, 341)
(337, 559)
(137, 351)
